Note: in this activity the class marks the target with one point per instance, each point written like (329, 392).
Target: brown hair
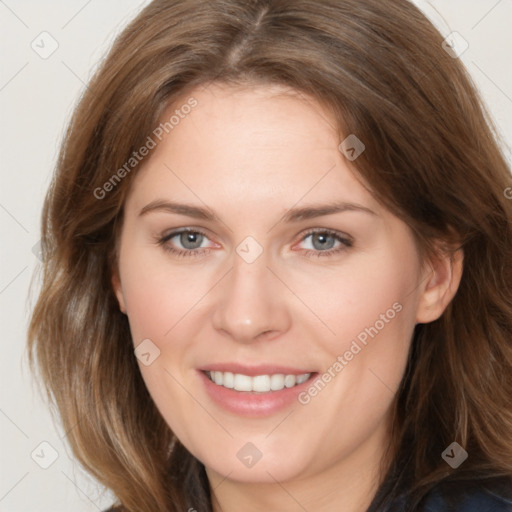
(431, 157)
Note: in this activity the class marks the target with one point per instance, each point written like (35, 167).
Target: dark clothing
(476, 502)
(476, 499)
(472, 497)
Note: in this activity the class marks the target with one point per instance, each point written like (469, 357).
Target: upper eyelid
(331, 232)
(175, 232)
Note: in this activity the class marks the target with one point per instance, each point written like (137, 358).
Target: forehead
(249, 146)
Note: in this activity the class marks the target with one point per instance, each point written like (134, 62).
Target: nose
(251, 303)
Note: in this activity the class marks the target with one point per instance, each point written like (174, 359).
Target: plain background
(37, 96)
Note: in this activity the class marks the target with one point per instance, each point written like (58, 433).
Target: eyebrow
(292, 215)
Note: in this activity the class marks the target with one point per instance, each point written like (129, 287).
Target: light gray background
(36, 99)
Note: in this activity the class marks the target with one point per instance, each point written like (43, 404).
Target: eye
(185, 242)
(324, 242)
(190, 242)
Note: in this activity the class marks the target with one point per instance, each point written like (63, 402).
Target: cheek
(160, 302)
(372, 311)
(158, 295)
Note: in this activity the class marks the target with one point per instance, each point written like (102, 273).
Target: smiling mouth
(257, 383)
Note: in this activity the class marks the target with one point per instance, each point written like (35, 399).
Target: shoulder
(474, 496)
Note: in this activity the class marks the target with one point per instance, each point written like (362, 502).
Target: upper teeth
(260, 383)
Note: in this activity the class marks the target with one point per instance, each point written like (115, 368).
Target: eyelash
(181, 253)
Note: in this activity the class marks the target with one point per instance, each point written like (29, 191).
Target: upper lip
(253, 370)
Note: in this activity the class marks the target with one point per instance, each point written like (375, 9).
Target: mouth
(254, 390)
(265, 383)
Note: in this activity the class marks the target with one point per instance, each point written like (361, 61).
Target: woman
(277, 266)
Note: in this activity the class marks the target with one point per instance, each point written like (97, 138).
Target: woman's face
(291, 274)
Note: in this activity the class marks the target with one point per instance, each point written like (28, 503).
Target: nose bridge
(251, 301)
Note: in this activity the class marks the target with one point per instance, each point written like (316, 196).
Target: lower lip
(251, 403)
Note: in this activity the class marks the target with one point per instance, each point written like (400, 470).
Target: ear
(118, 289)
(442, 278)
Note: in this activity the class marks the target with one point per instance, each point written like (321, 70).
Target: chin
(267, 469)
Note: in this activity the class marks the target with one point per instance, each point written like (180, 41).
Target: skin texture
(249, 155)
